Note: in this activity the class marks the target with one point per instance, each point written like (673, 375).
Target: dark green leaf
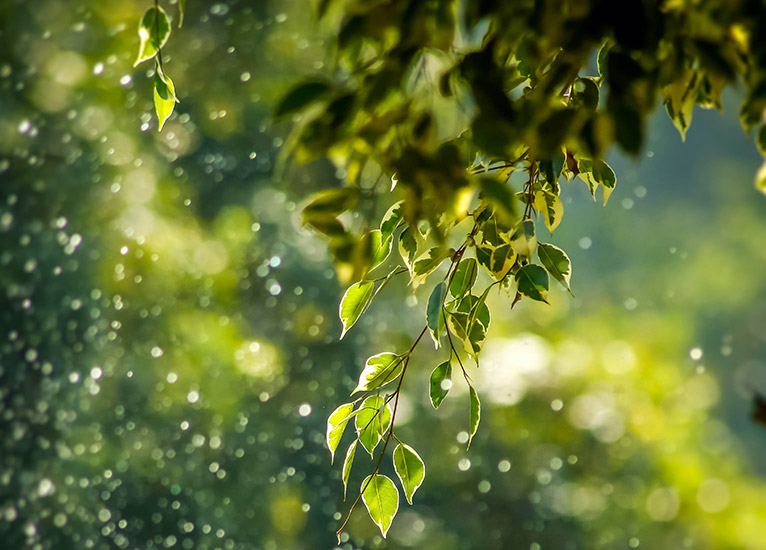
(301, 96)
(440, 383)
(465, 276)
(434, 311)
(532, 282)
(557, 263)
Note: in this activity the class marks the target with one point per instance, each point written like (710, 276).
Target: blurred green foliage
(168, 335)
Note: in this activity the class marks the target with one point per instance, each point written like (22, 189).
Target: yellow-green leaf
(410, 469)
(381, 498)
(379, 370)
(336, 425)
(475, 416)
(372, 420)
(153, 32)
(164, 96)
(347, 463)
(353, 304)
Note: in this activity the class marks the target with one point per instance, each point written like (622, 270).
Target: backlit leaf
(410, 469)
(347, 463)
(381, 498)
(372, 421)
(153, 33)
(353, 304)
(379, 370)
(475, 415)
(336, 425)
(164, 96)
(408, 247)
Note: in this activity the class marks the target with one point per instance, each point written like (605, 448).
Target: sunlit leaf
(408, 248)
(181, 12)
(347, 463)
(164, 96)
(381, 248)
(597, 172)
(434, 317)
(550, 206)
(440, 383)
(391, 220)
(153, 33)
(410, 469)
(336, 425)
(475, 415)
(532, 282)
(353, 304)
(429, 261)
(381, 498)
(557, 263)
(379, 370)
(372, 421)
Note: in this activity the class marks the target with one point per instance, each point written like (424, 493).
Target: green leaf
(379, 370)
(153, 32)
(408, 247)
(760, 179)
(760, 140)
(441, 383)
(434, 317)
(301, 96)
(551, 207)
(164, 96)
(524, 240)
(181, 12)
(353, 304)
(372, 420)
(410, 469)
(465, 276)
(475, 416)
(391, 220)
(430, 261)
(557, 263)
(680, 98)
(331, 202)
(336, 425)
(347, 463)
(381, 498)
(381, 248)
(597, 172)
(502, 259)
(532, 282)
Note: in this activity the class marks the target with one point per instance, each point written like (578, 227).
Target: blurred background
(169, 337)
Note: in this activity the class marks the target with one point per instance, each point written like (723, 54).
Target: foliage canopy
(472, 118)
